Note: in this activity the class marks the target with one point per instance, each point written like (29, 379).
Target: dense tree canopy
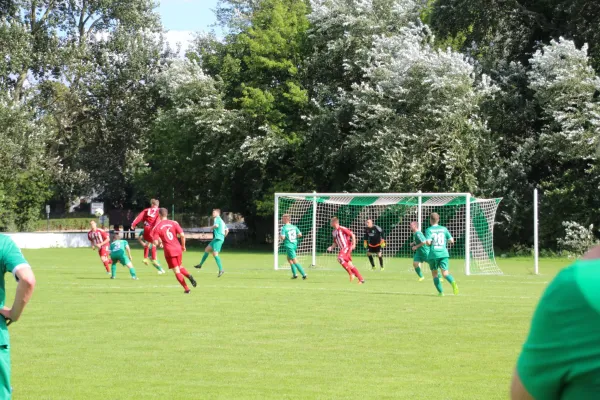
(492, 97)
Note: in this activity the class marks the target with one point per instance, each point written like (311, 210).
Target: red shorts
(174, 261)
(147, 234)
(103, 251)
(345, 256)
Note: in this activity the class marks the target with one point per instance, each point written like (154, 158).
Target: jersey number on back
(152, 212)
(438, 239)
(169, 234)
(292, 235)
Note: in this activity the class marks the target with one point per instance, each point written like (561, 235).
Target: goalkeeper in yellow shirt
(374, 242)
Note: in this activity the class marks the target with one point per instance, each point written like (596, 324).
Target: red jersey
(343, 238)
(97, 237)
(149, 216)
(167, 231)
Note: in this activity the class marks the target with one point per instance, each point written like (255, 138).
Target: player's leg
(342, 261)
(298, 266)
(5, 388)
(127, 262)
(380, 256)
(185, 273)
(371, 260)
(293, 267)
(180, 278)
(113, 267)
(433, 266)
(444, 264)
(106, 262)
(417, 267)
(207, 251)
(216, 246)
(355, 271)
(145, 245)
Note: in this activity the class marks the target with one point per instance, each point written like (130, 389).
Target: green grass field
(256, 334)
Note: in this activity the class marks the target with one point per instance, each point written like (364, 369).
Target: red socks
(181, 281)
(357, 274)
(107, 265)
(184, 272)
(146, 250)
(154, 253)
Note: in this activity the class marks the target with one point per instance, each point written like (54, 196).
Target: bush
(578, 239)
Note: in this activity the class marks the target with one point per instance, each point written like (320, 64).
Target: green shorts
(438, 263)
(420, 258)
(291, 252)
(216, 245)
(5, 389)
(122, 258)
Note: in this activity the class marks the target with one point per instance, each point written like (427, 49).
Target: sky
(182, 18)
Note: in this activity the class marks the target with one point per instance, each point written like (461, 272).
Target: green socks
(218, 260)
(418, 271)
(204, 257)
(450, 279)
(299, 269)
(156, 265)
(438, 285)
(293, 269)
(113, 270)
(132, 272)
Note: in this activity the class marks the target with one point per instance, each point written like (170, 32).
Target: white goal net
(472, 227)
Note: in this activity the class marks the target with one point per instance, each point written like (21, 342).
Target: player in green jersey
(437, 237)
(120, 252)
(220, 231)
(11, 260)
(289, 235)
(421, 249)
(561, 356)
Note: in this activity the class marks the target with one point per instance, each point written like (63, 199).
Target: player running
(99, 238)
(345, 240)
(437, 237)
(118, 247)
(220, 231)
(168, 234)
(421, 249)
(290, 234)
(374, 242)
(149, 217)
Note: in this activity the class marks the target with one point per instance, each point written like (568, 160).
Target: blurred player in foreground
(220, 232)
(149, 217)
(289, 235)
(345, 240)
(421, 249)
(118, 248)
(100, 239)
(561, 356)
(438, 237)
(168, 233)
(11, 260)
(374, 242)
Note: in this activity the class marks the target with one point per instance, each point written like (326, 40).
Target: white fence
(46, 240)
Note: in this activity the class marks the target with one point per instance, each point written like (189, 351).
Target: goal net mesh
(393, 214)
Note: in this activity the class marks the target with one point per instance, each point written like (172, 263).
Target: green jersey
(11, 260)
(117, 248)
(290, 233)
(439, 237)
(422, 251)
(220, 228)
(561, 357)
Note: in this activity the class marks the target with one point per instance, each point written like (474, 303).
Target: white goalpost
(469, 220)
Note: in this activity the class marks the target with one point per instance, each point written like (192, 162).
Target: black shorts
(374, 250)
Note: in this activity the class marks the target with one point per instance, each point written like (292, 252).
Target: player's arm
(92, 243)
(128, 249)
(106, 239)
(138, 219)
(366, 239)
(24, 292)
(281, 234)
(517, 389)
(179, 231)
(428, 237)
(381, 235)
(333, 246)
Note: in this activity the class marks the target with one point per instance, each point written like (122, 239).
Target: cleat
(220, 274)
(441, 294)
(192, 281)
(199, 266)
(304, 277)
(112, 277)
(361, 282)
(421, 279)
(455, 288)
(382, 268)
(373, 268)
(295, 277)
(135, 278)
(146, 261)
(187, 291)
(352, 278)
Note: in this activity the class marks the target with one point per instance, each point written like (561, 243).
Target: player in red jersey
(149, 217)
(99, 239)
(168, 233)
(345, 239)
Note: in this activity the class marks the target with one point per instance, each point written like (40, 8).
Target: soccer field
(256, 334)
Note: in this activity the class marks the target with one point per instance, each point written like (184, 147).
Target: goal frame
(419, 195)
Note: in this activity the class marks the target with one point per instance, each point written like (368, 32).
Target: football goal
(470, 221)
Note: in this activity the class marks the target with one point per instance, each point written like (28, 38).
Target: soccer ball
(98, 213)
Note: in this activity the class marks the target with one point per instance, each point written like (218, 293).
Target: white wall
(43, 240)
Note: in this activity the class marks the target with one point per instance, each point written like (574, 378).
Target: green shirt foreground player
(11, 260)
(120, 252)
(421, 249)
(561, 357)
(437, 238)
(289, 235)
(220, 231)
